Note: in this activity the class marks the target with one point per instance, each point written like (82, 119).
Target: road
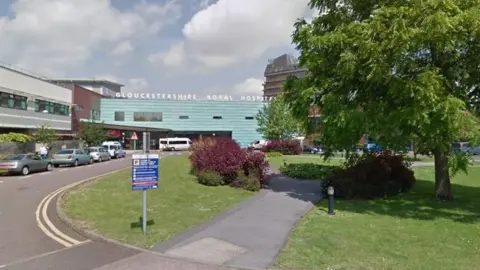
(27, 235)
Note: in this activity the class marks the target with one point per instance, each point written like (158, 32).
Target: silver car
(99, 154)
(24, 164)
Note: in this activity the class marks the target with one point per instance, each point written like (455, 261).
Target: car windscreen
(92, 149)
(65, 152)
(13, 157)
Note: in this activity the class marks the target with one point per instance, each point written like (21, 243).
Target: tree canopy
(45, 135)
(93, 133)
(395, 70)
(276, 122)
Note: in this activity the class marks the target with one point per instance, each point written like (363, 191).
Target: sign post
(134, 138)
(145, 174)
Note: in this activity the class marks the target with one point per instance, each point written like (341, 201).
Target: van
(175, 144)
(115, 149)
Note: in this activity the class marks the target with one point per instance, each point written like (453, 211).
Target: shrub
(15, 137)
(256, 166)
(221, 155)
(373, 176)
(285, 147)
(248, 182)
(210, 179)
(308, 170)
(274, 154)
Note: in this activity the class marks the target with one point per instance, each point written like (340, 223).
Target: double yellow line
(46, 225)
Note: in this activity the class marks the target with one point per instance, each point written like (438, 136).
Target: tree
(395, 70)
(45, 135)
(276, 122)
(93, 133)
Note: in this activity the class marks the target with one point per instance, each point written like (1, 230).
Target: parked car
(310, 149)
(257, 145)
(465, 147)
(24, 164)
(99, 154)
(114, 149)
(71, 157)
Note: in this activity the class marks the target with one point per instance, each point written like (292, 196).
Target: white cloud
(123, 48)
(131, 84)
(46, 35)
(232, 31)
(174, 57)
(251, 86)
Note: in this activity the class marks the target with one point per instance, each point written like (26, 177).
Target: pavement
(249, 236)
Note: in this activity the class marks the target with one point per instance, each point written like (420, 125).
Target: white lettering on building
(191, 97)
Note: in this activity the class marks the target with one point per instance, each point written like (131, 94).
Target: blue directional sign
(145, 171)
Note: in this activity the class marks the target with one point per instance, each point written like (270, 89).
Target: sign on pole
(145, 171)
(134, 136)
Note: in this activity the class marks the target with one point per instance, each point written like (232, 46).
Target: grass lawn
(110, 207)
(277, 162)
(410, 232)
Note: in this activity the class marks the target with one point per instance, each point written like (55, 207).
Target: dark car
(310, 149)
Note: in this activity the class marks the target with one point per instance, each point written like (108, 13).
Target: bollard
(331, 193)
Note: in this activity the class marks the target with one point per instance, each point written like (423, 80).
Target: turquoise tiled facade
(236, 117)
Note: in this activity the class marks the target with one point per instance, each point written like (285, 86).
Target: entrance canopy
(129, 128)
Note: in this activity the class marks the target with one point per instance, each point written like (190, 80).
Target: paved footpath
(249, 236)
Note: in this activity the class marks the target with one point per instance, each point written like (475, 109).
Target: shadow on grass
(139, 223)
(420, 204)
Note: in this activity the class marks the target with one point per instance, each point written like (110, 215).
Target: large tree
(395, 70)
(275, 121)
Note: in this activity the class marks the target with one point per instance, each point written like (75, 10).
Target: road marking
(61, 170)
(25, 177)
(41, 255)
(43, 173)
(49, 228)
(1, 182)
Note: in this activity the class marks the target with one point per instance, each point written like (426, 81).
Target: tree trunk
(443, 188)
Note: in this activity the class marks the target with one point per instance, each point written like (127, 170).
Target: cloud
(231, 31)
(55, 36)
(122, 48)
(249, 87)
(131, 84)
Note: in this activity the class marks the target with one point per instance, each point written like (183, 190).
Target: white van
(175, 144)
(114, 149)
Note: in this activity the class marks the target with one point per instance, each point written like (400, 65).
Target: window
(51, 107)
(13, 101)
(119, 116)
(183, 117)
(94, 115)
(65, 152)
(178, 142)
(248, 117)
(147, 116)
(217, 117)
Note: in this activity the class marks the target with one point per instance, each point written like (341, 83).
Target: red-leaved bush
(221, 155)
(286, 147)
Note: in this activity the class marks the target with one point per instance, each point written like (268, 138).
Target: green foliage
(45, 135)
(276, 122)
(248, 182)
(15, 137)
(308, 170)
(93, 133)
(394, 70)
(273, 154)
(210, 179)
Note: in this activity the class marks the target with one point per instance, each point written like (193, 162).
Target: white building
(102, 87)
(28, 102)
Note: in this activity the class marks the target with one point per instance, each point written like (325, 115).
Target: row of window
(12, 101)
(156, 117)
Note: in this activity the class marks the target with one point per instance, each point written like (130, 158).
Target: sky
(152, 46)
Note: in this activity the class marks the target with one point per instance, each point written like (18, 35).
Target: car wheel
(75, 163)
(49, 167)
(90, 161)
(100, 159)
(25, 170)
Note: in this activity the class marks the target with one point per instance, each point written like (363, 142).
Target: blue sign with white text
(145, 171)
